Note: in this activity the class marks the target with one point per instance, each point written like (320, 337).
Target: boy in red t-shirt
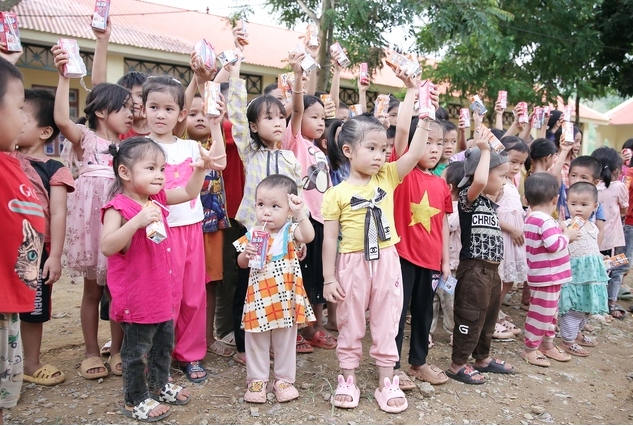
(23, 230)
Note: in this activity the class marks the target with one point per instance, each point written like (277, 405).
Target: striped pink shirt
(547, 253)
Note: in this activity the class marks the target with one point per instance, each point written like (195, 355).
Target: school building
(158, 39)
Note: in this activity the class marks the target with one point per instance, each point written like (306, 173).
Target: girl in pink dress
(137, 240)
(513, 269)
(108, 113)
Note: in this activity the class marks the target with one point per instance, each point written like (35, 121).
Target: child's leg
(570, 325)
(190, 327)
(331, 317)
(116, 334)
(407, 272)
(258, 355)
(238, 311)
(225, 291)
(89, 314)
(137, 343)
(353, 273)
(541, 317)
(11, 363)
(615, 282)
(436, 310)
(213, 259)
(385, 308)
(421, 316)
(284, 341)
(505, 290)
(159, 360)
(446, 300)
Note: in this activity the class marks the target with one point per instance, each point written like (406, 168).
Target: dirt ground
(593, 390)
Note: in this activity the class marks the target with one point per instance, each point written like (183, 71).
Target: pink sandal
(347, 388)
(390, 391)
(284, 391)
(256, 392)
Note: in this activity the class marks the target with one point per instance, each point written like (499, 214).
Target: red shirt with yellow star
(421, 202)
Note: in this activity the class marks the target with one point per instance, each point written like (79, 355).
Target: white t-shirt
(179, 156)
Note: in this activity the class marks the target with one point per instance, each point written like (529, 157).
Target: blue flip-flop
(194, 367)
(496, 366)
(465, 375)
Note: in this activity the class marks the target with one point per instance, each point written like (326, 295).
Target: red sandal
(303, 347)
(322, 340)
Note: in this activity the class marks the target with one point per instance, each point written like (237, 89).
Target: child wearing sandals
(478, 291)
(276, 301)
(140, 271)
(367, 273)
(548, 268)
(586, 293)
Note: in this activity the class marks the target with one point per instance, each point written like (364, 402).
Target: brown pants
(477, 302)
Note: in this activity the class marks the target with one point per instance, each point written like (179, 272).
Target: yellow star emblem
(423, 212)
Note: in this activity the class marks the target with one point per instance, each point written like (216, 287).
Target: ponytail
(610, 163)
(334, 151)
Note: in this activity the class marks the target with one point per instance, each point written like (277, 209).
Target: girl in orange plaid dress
(276, 301)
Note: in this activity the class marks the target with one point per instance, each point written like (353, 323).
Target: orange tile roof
(622, 114)
(166, 28)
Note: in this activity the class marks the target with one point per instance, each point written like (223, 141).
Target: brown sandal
(436, 377)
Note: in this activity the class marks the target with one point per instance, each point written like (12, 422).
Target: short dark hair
(448, 126)
(454, 173)
(260, 106)
(584, 188)
(588, 162)
(391, 132)
(43, 102)
(279, 181)
(129, 152)
(8, 72)
(343, 105)
(541, 188)
(165, 84)
(270, 88)
(132, 79)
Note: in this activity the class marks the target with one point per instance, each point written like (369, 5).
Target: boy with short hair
(52, 182)
(478, 292)
(548, 268)
(23, 228)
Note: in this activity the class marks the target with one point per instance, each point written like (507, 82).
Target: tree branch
(309, 12)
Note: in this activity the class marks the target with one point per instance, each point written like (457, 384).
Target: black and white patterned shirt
(481, 232)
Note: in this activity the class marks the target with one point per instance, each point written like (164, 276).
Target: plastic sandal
(105, 349)
(93, 363)
(496, 366)
(221, 349)
(465, 375)
(535, 358)
(435, 376)
(405, 381)
(194, 367)
(511, 327)
(556, 353)
(256, 392)
(390, 390)
(169, 394)
(346, 388)
(284, 391)
(322, 340)
(575, 349)
(303, 347)
(586, 341)
(501, 333)
(229, 339)
(142, 410)
(116, 364)
(45, 375)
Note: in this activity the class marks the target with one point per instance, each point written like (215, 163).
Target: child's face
(121, 121)
(197, 122)
(147, 176)
(581, 204)
(368, 156)
(496, 178)
(270, 126)
(434, 148)
(470, 142)
(313, 121)
(450, 143)
(277, 93)
(272, 207)
(581, 174)
(393, 115)
(577, 144)
(389, 149)
(163, 113)
(31, 135)
(12, 117)
(137, 99)
(516, 160)
(342, 114)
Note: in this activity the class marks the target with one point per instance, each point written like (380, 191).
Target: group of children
(369, 214)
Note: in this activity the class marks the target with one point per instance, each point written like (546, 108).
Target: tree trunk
(325, 36)
(6, 5)
(577, 109)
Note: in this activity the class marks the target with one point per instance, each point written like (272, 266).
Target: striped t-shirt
(547, 253)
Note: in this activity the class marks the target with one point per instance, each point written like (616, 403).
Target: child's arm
(12, 57)
(498, 116)
(304, 233)
(335, 88)
(461, 135)
(217, 150)
(600, 226)
(294, 60)
(446, 249)
(332, 291)
(67, 127)
(557, 167)
(236, 112)
(116, 237)
(53, 265)
(480, 178)
(623, 198)
(194, 185)
(312, 78)
(554, 240)
(524, 134)
(406, 109)
(410, 159)
(100, 61)
(362, 95)
(518, 238)
(244, 257)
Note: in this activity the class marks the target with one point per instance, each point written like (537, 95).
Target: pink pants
(284, 345)
(376, 285)
(189, 295)
(540, 322)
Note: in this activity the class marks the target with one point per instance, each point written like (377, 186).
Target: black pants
(238, 308)
(418, 291)
(225, 289)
